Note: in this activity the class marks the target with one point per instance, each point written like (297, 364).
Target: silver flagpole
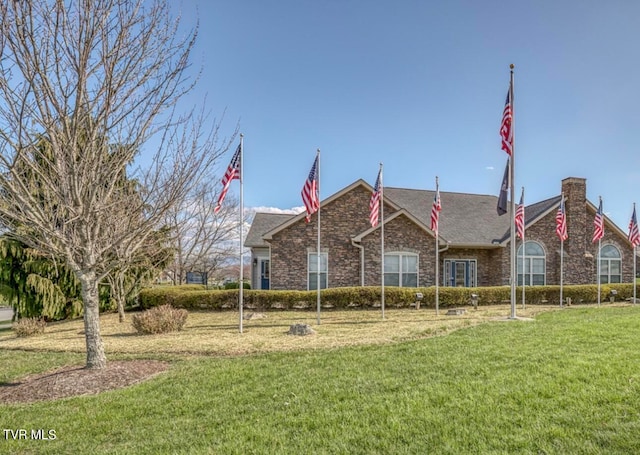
(564, 214)
(561, 268)
(241, 283)
(524, 247)
(437, 256)
(634, 259)
(599, 247)
(318, 255)
(634, 272)
(382, 240)
(513, 202)
(598, 277)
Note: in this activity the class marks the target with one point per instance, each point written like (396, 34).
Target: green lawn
(566, 383)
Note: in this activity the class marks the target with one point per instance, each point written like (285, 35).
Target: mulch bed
(73, 381)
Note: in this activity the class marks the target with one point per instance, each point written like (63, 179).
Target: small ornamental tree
(82, 76)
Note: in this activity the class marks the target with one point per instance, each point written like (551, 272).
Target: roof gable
(263, 222)
(394, 215)
(358, 183)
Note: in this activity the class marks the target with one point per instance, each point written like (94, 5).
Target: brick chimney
(578, 264)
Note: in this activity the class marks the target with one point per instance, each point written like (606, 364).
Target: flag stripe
(506, 132)
(232, 173)
(598, 224)
(634, 234)
(519, 218)
(310, 191)
(374, 203)
(435, 211)
(561, 222)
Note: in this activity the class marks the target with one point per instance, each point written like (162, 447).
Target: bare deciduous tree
(202, 240)
(99, 82)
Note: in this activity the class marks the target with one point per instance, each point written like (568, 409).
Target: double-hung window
(401, 269)
(312, 268)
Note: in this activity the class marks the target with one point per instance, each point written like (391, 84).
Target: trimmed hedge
(369, 297)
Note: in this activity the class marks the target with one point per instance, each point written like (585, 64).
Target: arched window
(535, 263)
(610, 265)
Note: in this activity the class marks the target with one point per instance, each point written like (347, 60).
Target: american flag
(374, 203)
(519, 218)
(634, 235)
(310, 191)
(561, 222)
(505, 127)
(435, 210)
(233, 172)
(598, 224)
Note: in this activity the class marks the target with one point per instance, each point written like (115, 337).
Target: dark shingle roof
(262, 223)
(534, 211)
(465, 219)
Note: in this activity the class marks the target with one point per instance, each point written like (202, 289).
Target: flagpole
(318, 255)
(241, 282)
(598, 255)
(562, 251)
(524, 247)
(437, 258)
(598, 277)
(634, 221)
(634, 272)
(599, 248)
(561, 268)
(382, 240)
(513, 201)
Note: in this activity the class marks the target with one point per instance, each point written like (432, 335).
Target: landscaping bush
(161, 319)
(29, 326)
(369, 297)
(234, 285)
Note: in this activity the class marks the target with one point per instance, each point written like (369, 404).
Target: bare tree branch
(86, 89)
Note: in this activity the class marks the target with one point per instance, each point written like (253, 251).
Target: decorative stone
(456, 311)
(301, 330)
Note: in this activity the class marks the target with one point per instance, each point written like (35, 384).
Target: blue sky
(420, 86)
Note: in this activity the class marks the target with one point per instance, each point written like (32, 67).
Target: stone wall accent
(578, 267)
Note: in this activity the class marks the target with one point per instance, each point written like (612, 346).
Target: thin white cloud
(489, 168)
(263, 209)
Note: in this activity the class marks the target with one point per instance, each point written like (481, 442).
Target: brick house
(474, 243)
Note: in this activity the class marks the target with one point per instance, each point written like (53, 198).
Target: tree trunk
(120, 295)
(96, 358)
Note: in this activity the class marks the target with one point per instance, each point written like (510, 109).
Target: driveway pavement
(5, 315)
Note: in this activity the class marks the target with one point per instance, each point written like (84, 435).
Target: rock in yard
(300, 329)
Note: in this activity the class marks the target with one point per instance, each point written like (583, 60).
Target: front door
(459, 272)
(264, 273)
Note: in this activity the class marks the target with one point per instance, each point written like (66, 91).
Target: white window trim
(322, 253)
(527, 257)
(404, 253)
(609, 260)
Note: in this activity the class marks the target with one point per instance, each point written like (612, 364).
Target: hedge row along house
(474, 242)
